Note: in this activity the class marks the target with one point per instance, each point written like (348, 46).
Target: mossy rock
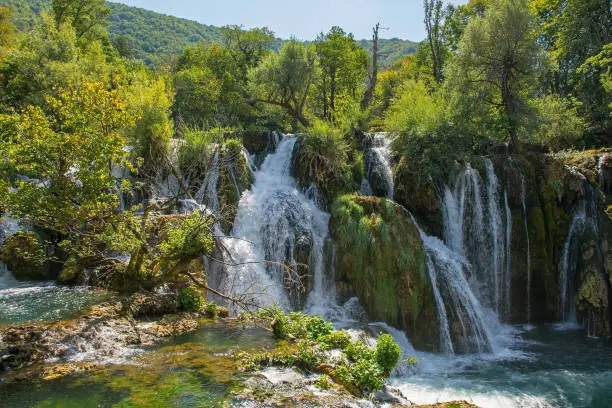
(380, 258)
(72, 272)
(417, 195)
(235, 178)
(25, 255)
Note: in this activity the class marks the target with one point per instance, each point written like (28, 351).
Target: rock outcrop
(380, 258)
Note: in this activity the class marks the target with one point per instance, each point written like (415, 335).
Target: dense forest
(128, 156)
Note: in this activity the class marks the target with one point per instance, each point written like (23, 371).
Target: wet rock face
(26, 256)
(380, 258)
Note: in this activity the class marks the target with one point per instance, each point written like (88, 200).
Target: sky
(302, 19)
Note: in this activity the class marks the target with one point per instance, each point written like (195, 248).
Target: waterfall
(377, 159)
(525, 215)
(460, 314)
(475, 229)
(584, 220)
(277, 233)
(508, 247)
(497, 238)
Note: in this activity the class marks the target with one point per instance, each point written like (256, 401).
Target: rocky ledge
(106, 332)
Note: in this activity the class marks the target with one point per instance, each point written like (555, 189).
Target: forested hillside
(152, 37)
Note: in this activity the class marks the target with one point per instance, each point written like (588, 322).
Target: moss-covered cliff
(380, 258)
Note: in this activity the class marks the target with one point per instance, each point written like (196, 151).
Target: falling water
(274, 222)
(207, 194)
(508, 247)
(497, 236)
(377, 159)
(461, 314)
(525, 215)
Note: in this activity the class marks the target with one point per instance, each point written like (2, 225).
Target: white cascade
(273, 222)
(525, 215)
(377, 160)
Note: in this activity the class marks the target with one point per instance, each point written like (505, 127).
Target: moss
(24, 253)
(234, 179)
(381, 257)
(72, 272)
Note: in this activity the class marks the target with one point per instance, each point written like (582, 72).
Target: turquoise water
(193, 370)
(542, 367)
(43, 301)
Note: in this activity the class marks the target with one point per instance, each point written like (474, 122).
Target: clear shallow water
(546, 366)
(42, 301)
(193, 370)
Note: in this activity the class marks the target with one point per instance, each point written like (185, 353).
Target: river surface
(546, 366)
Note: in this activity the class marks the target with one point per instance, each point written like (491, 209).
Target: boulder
(25, 255)
(380, 258)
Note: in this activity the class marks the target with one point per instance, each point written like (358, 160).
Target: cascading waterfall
(497, 238)
(460, 315)
(275, 226)
(475, 229)
(508, 247)
(583, 221)
(377, 160)
(207, 194)
(525, 215)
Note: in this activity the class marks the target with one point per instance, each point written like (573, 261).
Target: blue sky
(303, 19)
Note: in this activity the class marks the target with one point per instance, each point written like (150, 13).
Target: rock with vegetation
(25, 254)
(234, 178)
(380, 258)
(322, 158)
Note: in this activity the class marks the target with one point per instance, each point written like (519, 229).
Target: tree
(285, 79)
(86, 16)
(433, 25)
(61, 161)
(343, 66)
(489, 74)
(248, 47)
(8, 33)
(123, 47)
(373, 74)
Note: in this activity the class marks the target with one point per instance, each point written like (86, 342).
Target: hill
(154, 36)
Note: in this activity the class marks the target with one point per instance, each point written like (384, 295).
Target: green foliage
(388, 353)
(68, 151)
(489, 76)
(336, 340)
(211, 309)
(190, 239)
(391, 50)
(343, 68)
(150, 101)
(305, 340)
(323, 382)
(286, 79)
(559, 124)
(191, 299)
(322, 158)
(86, 16)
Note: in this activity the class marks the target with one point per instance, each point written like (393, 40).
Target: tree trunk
(369, 93)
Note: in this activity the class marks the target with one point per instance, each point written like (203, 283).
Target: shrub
(191, 299)
(211, 309)
(388, 353)
(322, 158)
(191, 239)
(323, 382)
(336, 340)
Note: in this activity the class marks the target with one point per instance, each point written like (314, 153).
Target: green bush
(388, 353)
(211, 309)
(322, 157)
(336, 340)
(191, 299)
(316, 327)
(191, 239)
